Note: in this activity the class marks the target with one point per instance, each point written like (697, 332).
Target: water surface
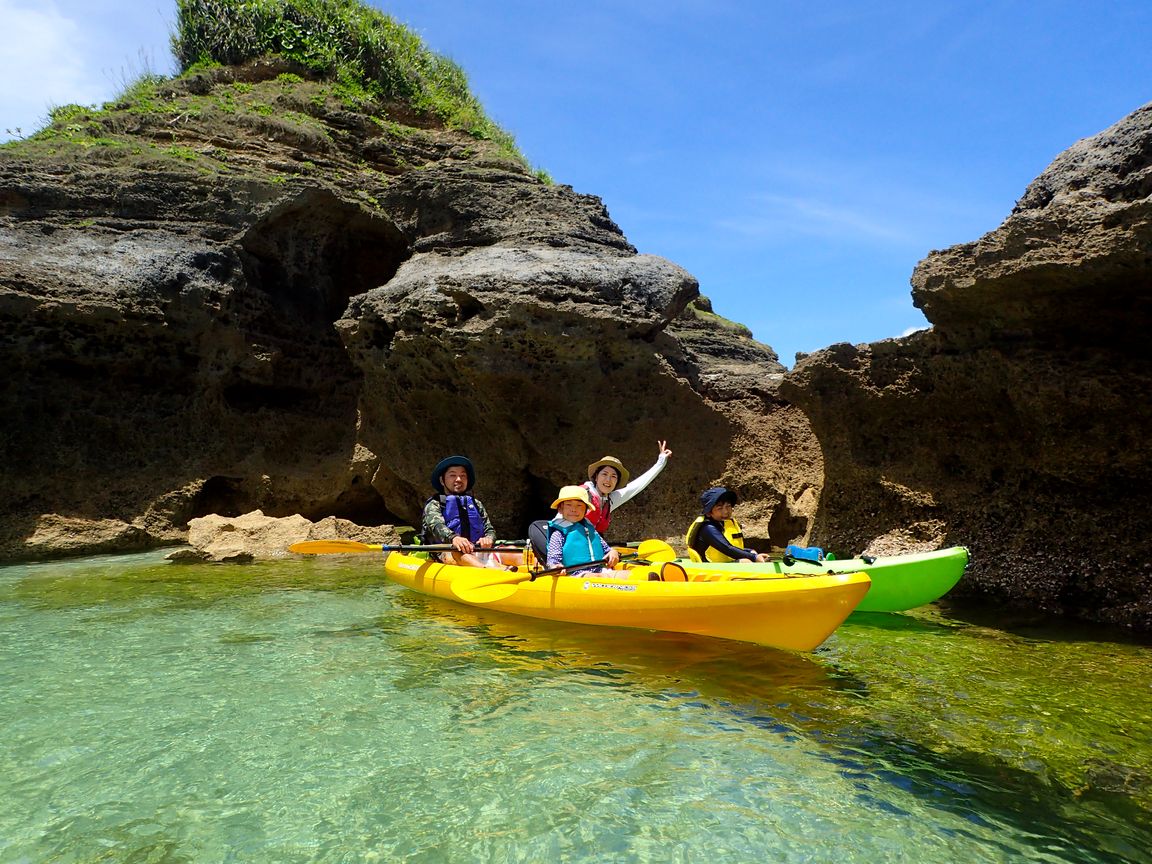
(308, 712)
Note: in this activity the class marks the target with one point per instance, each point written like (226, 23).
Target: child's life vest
(582, 543)
(695, 541)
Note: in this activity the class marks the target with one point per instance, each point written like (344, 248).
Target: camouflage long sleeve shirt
(435, 528)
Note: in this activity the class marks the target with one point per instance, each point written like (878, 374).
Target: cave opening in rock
(222, 496)
(784, 528)
(541, 493)
(235, 496)
(359, 503)
(313, 253)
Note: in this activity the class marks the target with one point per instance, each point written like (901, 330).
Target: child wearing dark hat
(715, 535)
(455, 516)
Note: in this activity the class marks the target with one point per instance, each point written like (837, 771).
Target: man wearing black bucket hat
(456, 516)
(715, 535)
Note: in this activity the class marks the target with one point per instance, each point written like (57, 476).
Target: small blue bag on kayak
(811, 554)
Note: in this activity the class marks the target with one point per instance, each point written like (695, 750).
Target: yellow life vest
(732, 534)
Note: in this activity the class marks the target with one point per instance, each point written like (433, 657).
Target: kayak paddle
(488, 588)
(346, 547)
(656, 550)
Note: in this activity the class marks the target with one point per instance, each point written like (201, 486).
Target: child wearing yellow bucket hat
(608, 473)
(572, 539)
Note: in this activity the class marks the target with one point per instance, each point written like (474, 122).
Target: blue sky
(799, 158)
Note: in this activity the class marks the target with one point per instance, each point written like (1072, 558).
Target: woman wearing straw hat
(604, 475)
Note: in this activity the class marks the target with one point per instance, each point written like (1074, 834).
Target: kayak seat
(669, 571)
(538, 539)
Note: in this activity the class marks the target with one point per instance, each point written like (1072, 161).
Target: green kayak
(899, 582)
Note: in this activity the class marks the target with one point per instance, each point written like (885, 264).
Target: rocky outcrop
(774, 460)
(256, 296)
(539, 360)
(254, 536)
(1017, 425)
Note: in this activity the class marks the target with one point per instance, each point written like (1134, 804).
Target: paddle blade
(332, 547)
(472, 588)
(487, 594)
(656, 550)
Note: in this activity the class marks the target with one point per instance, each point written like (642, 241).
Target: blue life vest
(462, 516)
(582, 543)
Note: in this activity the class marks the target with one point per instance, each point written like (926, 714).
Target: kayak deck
(795, 614)
(899, 582)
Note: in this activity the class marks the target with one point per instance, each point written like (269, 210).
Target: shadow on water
(822, 701)
(1040, 626)
(902, 623)
(629, 657)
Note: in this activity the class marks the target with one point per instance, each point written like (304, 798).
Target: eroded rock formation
(254, 296)
(1018, 425)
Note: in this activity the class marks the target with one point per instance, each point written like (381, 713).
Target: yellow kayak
(795, 614)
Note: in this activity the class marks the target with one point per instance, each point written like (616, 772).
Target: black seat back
(538, 537)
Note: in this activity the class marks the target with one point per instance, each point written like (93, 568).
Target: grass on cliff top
(350, 53)
(700, 309)
(345, 40)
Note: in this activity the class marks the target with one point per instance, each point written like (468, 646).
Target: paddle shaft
(502, 586)
(555, 570)
(345, 547)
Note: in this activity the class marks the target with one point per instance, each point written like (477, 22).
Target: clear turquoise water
(306, 712)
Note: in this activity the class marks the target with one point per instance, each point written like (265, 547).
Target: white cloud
(46, 51)
(782, 215)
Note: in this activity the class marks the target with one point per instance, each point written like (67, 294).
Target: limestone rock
(1018, 424)
(774, 460)
(1069, 268)
(301, 311)
(253, 536)
(57, 536)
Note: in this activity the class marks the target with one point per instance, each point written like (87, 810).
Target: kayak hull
(794, 614)
(899, 582)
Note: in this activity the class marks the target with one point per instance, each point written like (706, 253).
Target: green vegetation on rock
(701, 309)
(285, 71)
(367, 53)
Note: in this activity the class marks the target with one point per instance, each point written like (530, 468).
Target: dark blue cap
(714, 496)
(444, 464)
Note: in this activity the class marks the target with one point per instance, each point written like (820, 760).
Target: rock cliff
(1018, 424)
(241, 290)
